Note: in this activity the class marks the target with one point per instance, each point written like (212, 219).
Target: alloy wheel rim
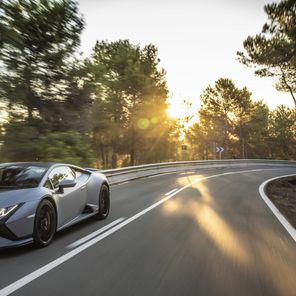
(105, 203)
(45, 223)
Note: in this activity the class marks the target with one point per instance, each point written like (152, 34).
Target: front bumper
(6, 243)
(17, 229)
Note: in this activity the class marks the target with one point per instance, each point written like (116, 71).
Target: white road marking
(291, 230)
(46, 268)
(93, 234)
(125, 182)
(170, 192)
(143, 177)
(187, 173)
(161, 174)
(152, 176)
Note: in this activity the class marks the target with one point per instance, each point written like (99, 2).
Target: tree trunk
(288, 86)
(30, 113)
(132, 155)
(102, 155)
(29, 95)
(241, 141)
(132, 147)
(226, 142)
(107, 159)
(243, 149)
(206, 153)
(114, 160)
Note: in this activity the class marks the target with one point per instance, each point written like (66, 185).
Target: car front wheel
(104, 203)
(45, 224)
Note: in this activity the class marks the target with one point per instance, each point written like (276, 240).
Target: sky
(197, 40)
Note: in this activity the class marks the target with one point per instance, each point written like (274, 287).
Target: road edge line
(285, 223)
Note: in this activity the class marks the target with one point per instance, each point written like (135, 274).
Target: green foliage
(25, 143)
(133, 95)
(258, 141)
(283, 132)
(67, 147)
(199, 139)
(38, 39)
(229, 118)
(20, 142)
(273, 50)
(224, 114)
(41, 77)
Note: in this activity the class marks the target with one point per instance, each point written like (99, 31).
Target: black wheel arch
(49, 198)
(106, 183)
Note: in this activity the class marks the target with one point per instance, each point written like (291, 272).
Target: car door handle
(83, 187)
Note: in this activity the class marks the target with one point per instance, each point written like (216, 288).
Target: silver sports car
(39, 199)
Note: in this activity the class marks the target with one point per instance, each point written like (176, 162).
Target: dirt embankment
(282, 192)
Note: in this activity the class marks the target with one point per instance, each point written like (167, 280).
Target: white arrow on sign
(219, 149)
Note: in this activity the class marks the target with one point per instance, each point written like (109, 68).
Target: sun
(176, 111)
(182, 110)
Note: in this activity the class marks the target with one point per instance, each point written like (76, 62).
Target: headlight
(6, 211)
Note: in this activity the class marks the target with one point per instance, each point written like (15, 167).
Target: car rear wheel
(104, 203)
(45, 224)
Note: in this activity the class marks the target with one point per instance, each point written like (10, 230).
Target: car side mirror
(66, 184)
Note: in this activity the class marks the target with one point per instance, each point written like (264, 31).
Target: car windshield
(20, 176)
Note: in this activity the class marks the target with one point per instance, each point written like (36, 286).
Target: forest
(109, 109)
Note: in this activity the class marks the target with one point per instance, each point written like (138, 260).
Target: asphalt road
(200, 233)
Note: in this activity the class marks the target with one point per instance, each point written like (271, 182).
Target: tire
(104, 203)
(45, 224)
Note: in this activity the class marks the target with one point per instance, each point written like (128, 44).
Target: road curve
(196, 233)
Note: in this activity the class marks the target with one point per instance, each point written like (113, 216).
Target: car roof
(34, 163)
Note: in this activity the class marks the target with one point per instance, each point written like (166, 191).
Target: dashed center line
(170, 192)
(92, 235)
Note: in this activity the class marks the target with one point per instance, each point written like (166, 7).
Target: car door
(71, 201)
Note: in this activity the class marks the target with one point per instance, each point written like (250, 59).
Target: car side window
(48, 184)
(81, 175)
(59, 174)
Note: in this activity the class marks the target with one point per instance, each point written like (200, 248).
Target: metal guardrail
(120, 175)
(146, 167)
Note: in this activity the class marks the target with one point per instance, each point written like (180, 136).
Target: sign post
(184, 152)
(220, 150)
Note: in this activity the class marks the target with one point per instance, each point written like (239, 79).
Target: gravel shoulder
(282, 192)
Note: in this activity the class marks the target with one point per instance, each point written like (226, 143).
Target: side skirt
(77, 219)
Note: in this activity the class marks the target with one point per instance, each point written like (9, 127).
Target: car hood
(10, 197)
